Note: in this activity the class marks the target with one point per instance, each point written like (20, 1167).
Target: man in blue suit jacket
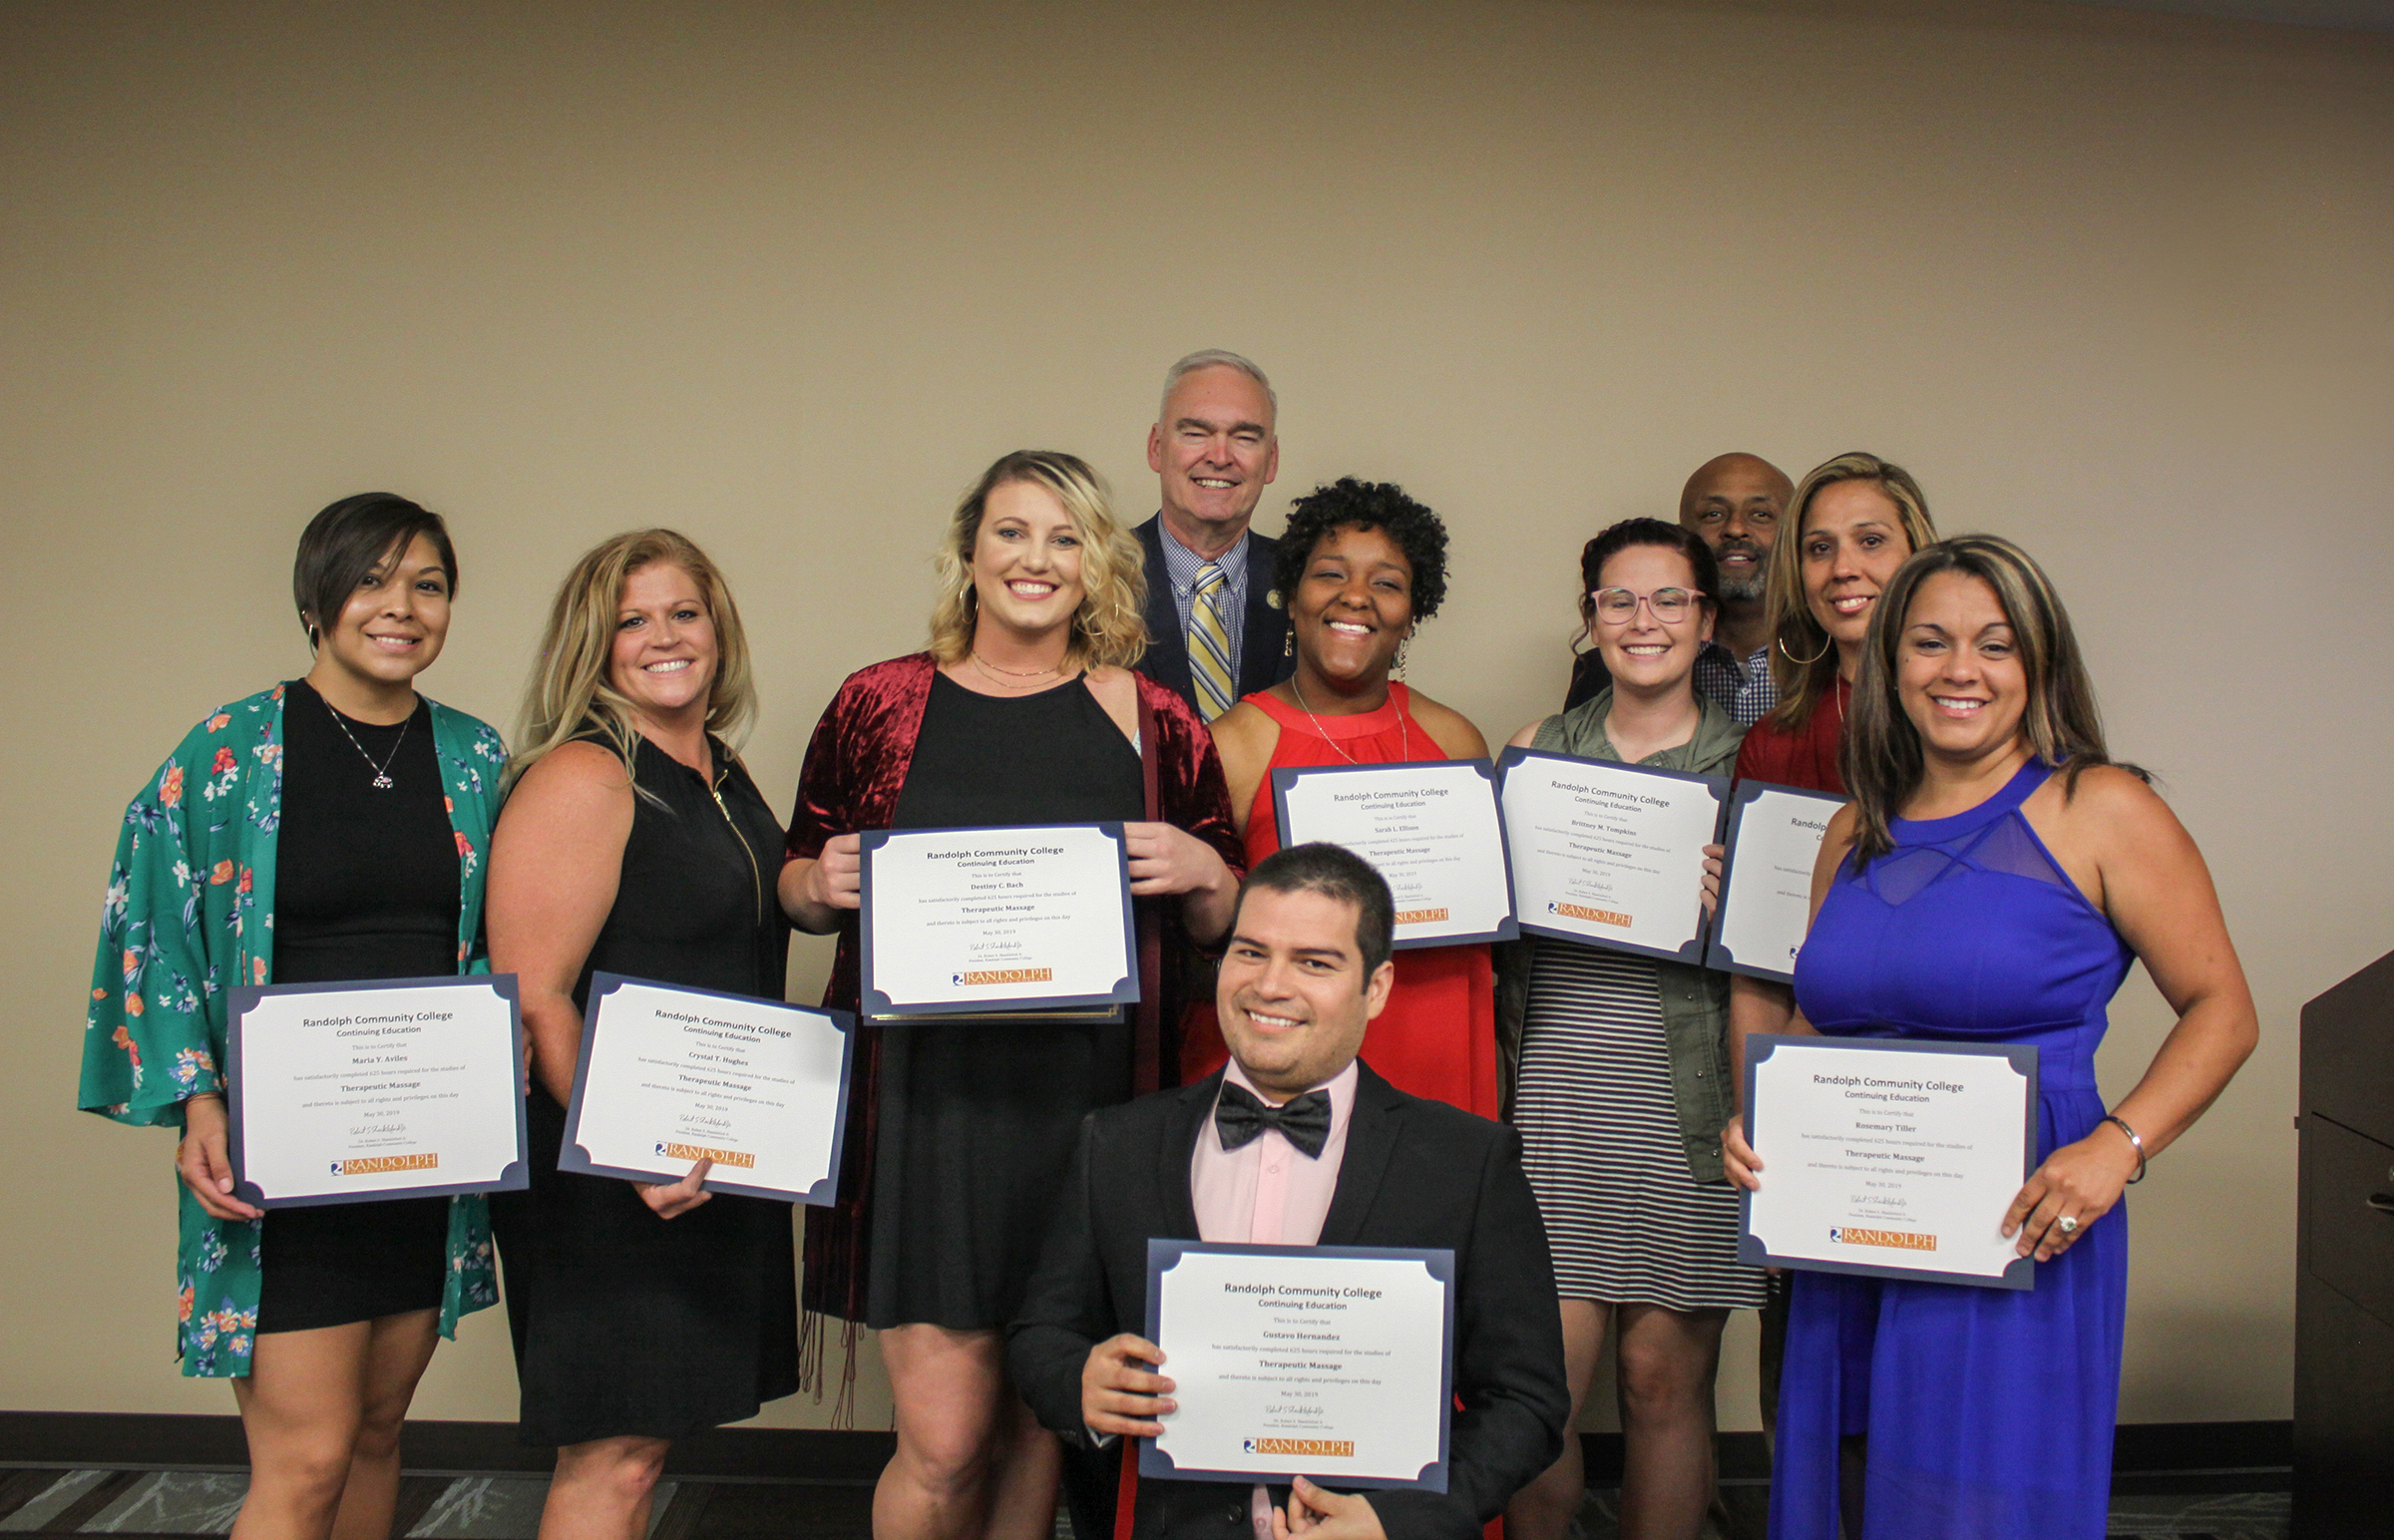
(1215, 448)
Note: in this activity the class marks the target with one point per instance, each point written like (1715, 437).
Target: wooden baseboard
(86, 1439)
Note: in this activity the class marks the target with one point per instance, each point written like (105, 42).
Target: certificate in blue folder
(1332, 1363)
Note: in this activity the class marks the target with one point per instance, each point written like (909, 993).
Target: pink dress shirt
(1269, 1192)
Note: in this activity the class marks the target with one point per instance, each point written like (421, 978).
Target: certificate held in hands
(1031, 922)
(1610, 855)
(1332, 1363)
(1888, 1157)
(381, 1088)
(1431, 829)
(669, 1076)
(1773, 841)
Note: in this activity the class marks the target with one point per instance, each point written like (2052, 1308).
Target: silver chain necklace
(382, 772)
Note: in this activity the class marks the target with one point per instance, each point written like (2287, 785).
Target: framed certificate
(1767, 878)
(1610, 855)
(1430, 828)
(1027, 922)
(1888, 1157)
(669, 1075)
(1333, 1362)
(383, 1089)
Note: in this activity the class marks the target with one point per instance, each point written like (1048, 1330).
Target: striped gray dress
(1600, 1140)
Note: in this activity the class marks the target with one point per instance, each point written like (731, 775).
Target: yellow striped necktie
(1209, 644)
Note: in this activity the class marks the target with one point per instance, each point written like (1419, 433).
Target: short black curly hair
(1347, 504)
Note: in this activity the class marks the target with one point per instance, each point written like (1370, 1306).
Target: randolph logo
(1419, 916)
(1582, 911)
(1002, 976)
(673, 1151)
(374, 1165)
(1331, 1448)
(1902, 1240)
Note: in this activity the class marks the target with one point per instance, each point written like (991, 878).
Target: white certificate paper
(978, 922)
(1332, 1363)
(1431, 829)
(1887, 1157)
(1767, 889)
(669, 1076)
(384, 1088)
(1610, 855)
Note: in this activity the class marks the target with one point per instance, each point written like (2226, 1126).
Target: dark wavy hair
(1881, 756)
(1347, 504)
(1646, 532)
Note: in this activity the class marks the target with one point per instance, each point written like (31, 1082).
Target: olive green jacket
(1695, 999)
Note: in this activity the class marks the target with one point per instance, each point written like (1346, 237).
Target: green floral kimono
(190, 913)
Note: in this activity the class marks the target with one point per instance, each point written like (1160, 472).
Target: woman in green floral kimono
(332, 828)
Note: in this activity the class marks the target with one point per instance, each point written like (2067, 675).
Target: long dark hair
(1803, 662)
(1882, 758)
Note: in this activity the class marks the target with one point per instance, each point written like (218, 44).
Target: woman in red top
(1855, 519)
(1361, 566)
(1850, 523)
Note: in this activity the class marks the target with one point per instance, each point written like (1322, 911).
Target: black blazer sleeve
(1509, 1362)
(1068, 1307)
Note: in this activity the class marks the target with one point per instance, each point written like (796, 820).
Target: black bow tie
(1240, 1119)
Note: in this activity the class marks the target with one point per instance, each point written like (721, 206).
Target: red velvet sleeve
(1190, 790)
(856, 763)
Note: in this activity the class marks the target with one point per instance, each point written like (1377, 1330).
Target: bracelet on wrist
(2120, 1123)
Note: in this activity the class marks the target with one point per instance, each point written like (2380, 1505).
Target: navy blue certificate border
(1745, 794)
(2020, 1273)
(878, 1006)
(572, 1156)
(514, 1178)
(1286, 777)
(1691, 951)
(1165, 1255)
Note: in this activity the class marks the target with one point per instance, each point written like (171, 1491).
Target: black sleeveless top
(976, 1121)
(1051, 758)
(366, 883)
(695, 901)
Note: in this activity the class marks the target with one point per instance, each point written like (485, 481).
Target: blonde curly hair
(1110, 627)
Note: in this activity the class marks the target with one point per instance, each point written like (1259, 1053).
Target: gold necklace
(1405, 737)
(996, 673)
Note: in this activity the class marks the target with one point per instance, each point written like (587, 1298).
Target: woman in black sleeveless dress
(642, 1312)
(1024, 711)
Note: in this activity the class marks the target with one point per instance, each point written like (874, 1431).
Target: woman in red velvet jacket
(1025, 710)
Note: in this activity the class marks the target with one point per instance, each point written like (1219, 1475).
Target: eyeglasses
(1619, 605)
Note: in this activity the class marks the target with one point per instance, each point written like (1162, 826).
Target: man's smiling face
(1214, 449)
(1294, 998)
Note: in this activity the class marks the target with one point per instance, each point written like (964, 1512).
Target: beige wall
(2113, 284)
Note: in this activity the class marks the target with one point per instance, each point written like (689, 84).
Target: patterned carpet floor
(159, 1503)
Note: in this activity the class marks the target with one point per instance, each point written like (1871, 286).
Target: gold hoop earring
(1826, 642)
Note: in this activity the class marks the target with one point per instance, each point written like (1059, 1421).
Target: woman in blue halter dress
(1987, 1413)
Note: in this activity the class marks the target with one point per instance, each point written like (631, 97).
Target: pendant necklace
(382, 772)
(1405, 737)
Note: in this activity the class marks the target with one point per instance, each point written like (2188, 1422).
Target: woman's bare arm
(556, 858)
(1245, 738)
(2151, 882)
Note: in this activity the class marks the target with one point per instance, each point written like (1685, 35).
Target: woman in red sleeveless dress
(1361, 566)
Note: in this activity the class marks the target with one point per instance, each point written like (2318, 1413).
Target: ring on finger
(2067, 1224)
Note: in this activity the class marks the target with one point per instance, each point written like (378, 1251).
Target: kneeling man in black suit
(1294, 1142)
